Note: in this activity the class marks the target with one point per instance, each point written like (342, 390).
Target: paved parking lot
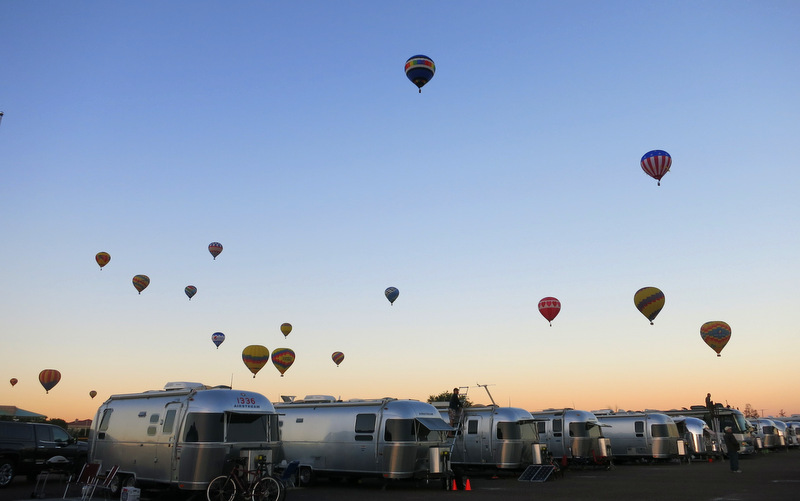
(771, 476)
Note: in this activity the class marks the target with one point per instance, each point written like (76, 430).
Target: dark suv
(25, 448)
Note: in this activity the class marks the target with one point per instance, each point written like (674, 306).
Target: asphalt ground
(775, 475)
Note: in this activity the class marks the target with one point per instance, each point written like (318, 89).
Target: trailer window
(664, 430)
(557, 427)
(399, 430)
(541, 427)
(472, 427)
(365, 423)
(508, 431)
(169, 422)
(105, 419)
(204, 427)
(581, 430)
(638, 428)
(246, 427)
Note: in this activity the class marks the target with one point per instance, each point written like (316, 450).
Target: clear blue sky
(288, 132)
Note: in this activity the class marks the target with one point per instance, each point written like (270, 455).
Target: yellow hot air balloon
(286, 328)
(649, 301)
(102, 259)
(282, 358)
(254, 357)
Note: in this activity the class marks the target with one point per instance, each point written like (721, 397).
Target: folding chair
(106, 485)
(87, 476)
(289, 474)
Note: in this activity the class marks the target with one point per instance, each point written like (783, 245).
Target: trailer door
(167, 454)
(476, 440)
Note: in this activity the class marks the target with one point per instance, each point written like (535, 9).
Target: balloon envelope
(13, 381)
(102, 258)
(286, 328)
(716, 334)
(49, 378)
(141, 282)
(218, 338)
(391, 294)
(215, 248)
(656, 163)
(254, 357)
(92, 393)
(420, 70)
(649, 301)
(337, 357)
(549, 308)
(190, 291)
(282, 358)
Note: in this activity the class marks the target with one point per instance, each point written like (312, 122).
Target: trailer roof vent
(183, 385)
(319, 398)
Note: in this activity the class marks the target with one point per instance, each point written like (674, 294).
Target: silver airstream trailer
(793, 433)
(490, 436)
(767, 432)
(181, 436)
(387, 437)
(700, 441)
(642, 435)
(576, 436)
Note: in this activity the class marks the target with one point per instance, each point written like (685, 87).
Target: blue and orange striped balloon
(649, 301)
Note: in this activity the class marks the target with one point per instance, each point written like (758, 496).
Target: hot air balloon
(190, 291)
(13, 381)
(656, 163)
(254, 357)
(549, 308)
(286, 328)
(716, 334)
(102, 259)
(218, 338)
(141, 282)
(337, 357)
(92, 393)
(649, 300)
(49, 378)
(282, 358)
(391, 294)
(215, 248)
(420, 69)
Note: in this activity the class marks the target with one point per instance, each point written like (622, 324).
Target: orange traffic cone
(467, 487)
(564, 461)
(455, 486)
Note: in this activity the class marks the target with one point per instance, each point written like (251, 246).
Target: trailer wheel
(305, 475)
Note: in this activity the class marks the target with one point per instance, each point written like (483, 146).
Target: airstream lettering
(181, 436)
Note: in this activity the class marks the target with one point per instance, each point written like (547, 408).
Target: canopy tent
(10, 411)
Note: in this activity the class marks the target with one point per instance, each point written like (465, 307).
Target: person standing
(733, 449)
(454, 411)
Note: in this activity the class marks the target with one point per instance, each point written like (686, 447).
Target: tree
(749, 412)
(782, 413)
(445, 397)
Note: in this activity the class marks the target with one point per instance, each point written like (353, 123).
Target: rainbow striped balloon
(716, 334)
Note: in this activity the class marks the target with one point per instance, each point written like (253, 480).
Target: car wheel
(6, 472)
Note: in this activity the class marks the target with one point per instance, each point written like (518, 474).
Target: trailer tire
(305, 476)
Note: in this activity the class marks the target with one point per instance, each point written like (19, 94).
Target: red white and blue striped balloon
(656, 163)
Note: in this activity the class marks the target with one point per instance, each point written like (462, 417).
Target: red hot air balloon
(13, 381)
(656, 164)
(549, 308)
(337, 357)
(49, 378)
(102, 259)
(215, 248)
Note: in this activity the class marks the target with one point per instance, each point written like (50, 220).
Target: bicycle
(241, 483)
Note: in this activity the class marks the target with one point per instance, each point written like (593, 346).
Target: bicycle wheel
(221, 488)
(267, 489)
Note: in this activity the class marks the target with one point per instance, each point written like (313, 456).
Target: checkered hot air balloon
(716, 334)
(656, 163)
